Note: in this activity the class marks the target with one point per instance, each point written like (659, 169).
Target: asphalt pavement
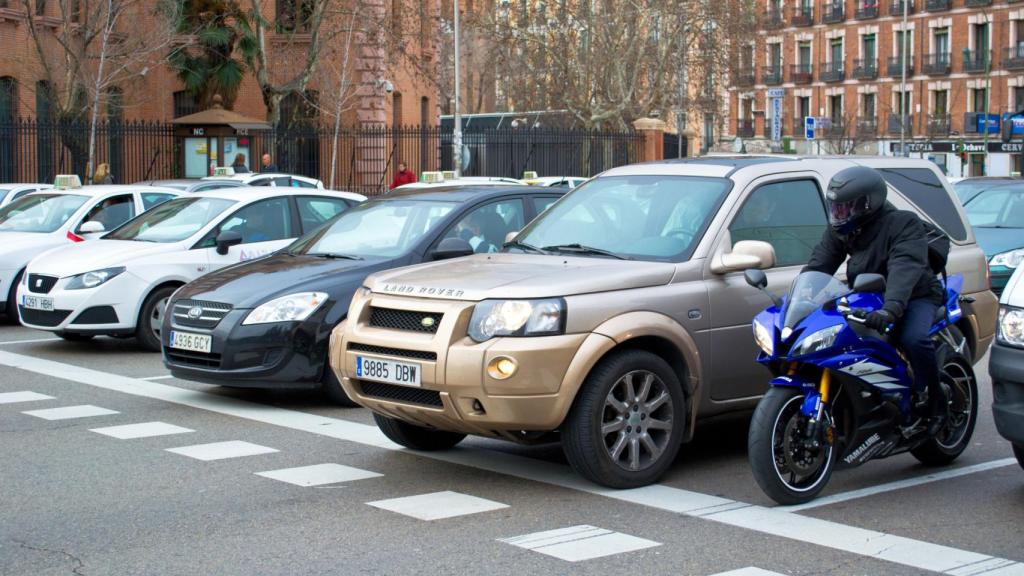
(111, 467)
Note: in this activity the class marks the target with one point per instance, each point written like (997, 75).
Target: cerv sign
(959, 147)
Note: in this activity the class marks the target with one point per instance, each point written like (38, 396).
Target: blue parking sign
(809, 127)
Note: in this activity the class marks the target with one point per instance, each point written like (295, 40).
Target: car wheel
(151, 318)
(416, 437)
(331, 387)
(627, 422)
(1018, 451)
(11, 315)
(74, 337)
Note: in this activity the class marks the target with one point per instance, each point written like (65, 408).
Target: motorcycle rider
(880, 239)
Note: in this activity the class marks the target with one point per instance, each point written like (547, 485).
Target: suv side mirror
(756, 278)
(226, 240)
(869, 283)
(745, 254)
(451, 248)
(91, 227)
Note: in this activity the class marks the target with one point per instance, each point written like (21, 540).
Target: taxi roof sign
(66, 181)
(448, 174)
(223, 171)
(529, 175)
(432, 177)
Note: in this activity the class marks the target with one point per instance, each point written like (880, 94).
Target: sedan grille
(409, 320)
(187, 358)
(369, 349)
(403, 394)
(43, 317)
(199, 313)
(40, 283)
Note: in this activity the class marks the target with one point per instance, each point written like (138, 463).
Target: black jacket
(893, 244)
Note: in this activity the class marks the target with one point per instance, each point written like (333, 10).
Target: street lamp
(457, 132)
(903, 82)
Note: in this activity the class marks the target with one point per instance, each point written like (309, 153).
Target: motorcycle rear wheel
(961, 388)
(777, 458)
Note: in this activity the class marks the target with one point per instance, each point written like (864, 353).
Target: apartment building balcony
(867, 126)
(896, 122)
(977, 3)
(801, 73)
(745, 127)
(833, 12)
(865, 69)
(832, 72)
(937, 64)
(744, 77)
(895, 66)
(938, 125)
(802, 16)
(976, 60)
(866, 9)
(937, 5)
(773, 19)
(1013, 57)
(832, 128)
(771, 75)
(896, 7)
(798, 127)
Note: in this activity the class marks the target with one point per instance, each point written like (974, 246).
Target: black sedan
(266, 323)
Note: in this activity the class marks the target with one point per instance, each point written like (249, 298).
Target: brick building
(841, 62)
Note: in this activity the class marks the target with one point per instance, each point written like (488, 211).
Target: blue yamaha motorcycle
(842, 393)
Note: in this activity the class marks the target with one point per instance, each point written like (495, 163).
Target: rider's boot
(937, 409)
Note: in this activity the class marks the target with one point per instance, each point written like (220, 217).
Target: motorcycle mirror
(756, 278)
(869, 283)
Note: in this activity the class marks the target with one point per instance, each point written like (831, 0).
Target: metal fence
(359, 159)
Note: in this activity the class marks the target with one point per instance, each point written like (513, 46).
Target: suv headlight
(1010, 259)
(763, 337)
(291, 308)
(819, 340)
(93, 279)
(544, 317)
(1011, 326)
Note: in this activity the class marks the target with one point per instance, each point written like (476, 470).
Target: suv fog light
(502, 367)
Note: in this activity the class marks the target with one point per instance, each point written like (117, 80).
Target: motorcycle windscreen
(809, 291)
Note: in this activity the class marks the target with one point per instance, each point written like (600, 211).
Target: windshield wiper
(581, 249)
(525, 246)
(334, 255)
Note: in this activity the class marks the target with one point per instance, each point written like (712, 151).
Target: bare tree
(334, 76)
(846, 135)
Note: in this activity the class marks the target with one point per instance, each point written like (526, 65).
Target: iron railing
(938, 125)
(771, 75)
(833, 72)
(866, 9)
(833, 11)
(867, 126)
(936, 64)
(745, 76)
(801, 73)
(897, 121)
(937, 5)
(745, 127)
(895, 66)
(865, 68)
(976, 60)
(1013, 57)
(773, 19)
(802, 15)
(896, 7)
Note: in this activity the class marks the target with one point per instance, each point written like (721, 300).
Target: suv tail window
(922, 187)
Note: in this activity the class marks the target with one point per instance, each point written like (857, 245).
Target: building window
(294, 15)
(940, 102)
(1018, 98)
(899, 39)
(836, 51)
(396, 110)
(867, 106)
(775, 56)
(867, 44)
(40, 7)
(941, 41)
(981, 39)
(979, 97)
(803, 55)
(835, 105)
(901, 105)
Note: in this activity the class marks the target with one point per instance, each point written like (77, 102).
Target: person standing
(239, 166)
(102, 174)
(268, 164)
(403, 176)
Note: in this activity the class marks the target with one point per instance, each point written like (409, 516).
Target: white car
(44, 220)
(119, 285)
(465, 181)
(11, 192)
(270, 179)
(570, 181)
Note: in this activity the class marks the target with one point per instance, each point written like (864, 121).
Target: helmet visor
(840, 213)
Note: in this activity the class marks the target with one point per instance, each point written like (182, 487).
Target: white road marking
(68, 412)
(870, 543)
(749, 571)
(161, 377)
(318, 474)
(23, 396)
(142, 430)
(901, 484)
(438, 505)
(31, 341)
(578, 543)
(991, 567)
(222, 450)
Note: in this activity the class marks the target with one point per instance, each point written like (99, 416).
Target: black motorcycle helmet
(853, 196)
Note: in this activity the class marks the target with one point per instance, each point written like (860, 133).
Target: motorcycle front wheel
(786, 464)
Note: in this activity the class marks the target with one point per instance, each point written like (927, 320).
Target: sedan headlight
(492, 318)
(1010, 259)
(819, 340)
(93, 279)
(763, 336)
(291, 308)
(1011, 326)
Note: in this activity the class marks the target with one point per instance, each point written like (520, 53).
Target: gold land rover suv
(619, 317)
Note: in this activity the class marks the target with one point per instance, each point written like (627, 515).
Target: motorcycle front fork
(814, 409)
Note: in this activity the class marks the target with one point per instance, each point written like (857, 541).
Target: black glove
(879, 320)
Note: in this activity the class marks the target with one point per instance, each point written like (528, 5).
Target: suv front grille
(199, 313)
(417, 354)
(409, 320)
(402, 394)
(40, 283)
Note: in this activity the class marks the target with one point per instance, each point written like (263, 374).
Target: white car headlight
(291, 308)
(763, 336)
(818, 340)
(1011, 326)
(93, 279)
(1010, 259)
(544, 317)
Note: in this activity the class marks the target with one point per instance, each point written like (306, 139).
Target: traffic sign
(809, 124)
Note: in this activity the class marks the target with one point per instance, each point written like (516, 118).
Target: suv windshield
(382, 229)
(39, 212)
(809, 292)
(635, 217)
(172, 221)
